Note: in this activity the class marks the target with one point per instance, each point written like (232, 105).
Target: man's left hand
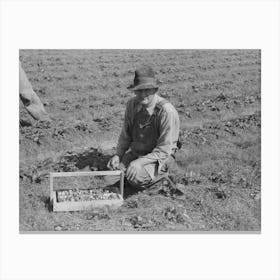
(132, 170)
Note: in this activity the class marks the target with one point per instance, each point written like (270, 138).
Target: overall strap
(134, 113)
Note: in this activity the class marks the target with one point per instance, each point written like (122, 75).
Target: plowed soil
(217, 171)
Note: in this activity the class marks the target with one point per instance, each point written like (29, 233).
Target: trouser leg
(167, 165)
(146, 174)
(142, 177)
(149, 172)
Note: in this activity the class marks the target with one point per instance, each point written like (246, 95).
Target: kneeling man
(148, 140)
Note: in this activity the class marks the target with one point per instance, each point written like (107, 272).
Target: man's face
(145, 96)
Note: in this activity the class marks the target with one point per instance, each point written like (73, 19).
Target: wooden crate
(84, 205)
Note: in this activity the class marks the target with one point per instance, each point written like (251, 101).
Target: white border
(157, 24)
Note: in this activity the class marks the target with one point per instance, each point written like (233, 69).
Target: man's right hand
(114, 163)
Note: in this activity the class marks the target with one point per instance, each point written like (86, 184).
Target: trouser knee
(142, 178)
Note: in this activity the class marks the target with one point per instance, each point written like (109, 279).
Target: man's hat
(144, 79)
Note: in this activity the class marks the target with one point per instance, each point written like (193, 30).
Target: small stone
(58, 228)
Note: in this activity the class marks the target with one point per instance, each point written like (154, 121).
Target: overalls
(145, 133)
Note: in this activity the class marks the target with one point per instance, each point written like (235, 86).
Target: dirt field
(218, 170)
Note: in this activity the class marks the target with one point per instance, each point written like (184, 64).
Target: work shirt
(149, 132)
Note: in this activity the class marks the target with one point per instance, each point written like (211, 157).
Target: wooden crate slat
(83, 205)
(122, 183)
(85, 173)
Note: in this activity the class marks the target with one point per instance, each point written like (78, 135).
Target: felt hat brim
(142, 86)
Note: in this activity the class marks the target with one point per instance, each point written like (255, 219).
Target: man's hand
(132, 169)
(114, 162)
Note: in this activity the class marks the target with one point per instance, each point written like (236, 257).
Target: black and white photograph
(140, 140)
